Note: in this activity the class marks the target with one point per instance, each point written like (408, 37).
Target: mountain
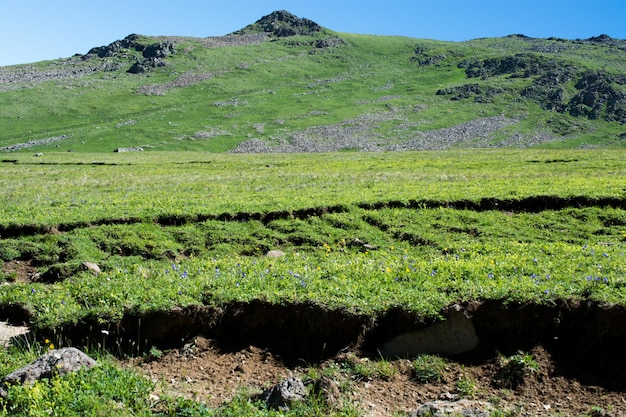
(288, 84)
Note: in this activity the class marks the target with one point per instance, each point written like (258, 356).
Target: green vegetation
(356, 232)
(212, 94)
(514, 369)
(428, 369)
(364, 232)
(193, 229)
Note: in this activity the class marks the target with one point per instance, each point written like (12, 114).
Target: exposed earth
(205, 373)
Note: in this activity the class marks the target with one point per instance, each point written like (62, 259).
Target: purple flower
(490, 275)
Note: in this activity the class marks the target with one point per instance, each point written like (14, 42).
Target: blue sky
(35, 30)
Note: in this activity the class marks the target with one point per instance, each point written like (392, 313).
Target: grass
(193, 229)
(276, 85)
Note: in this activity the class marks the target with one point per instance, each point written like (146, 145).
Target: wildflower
(490, 275)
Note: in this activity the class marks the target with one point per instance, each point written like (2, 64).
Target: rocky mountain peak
(281, 23)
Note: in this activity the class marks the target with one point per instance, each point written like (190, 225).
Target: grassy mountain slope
(288, 84)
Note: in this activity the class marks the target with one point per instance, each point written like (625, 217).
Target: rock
(461, 408)
(275, 254)
(285, 393)
(329, 390)
(116, 47)
(56, 362)
(146, 65)
(281, 24)
(134, 149)
(90, 266)
(159, 50)
(356, 242)
(453, 336)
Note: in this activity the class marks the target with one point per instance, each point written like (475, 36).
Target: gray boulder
(56, 362)
(285, 393)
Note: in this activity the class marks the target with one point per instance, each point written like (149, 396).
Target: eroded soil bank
(585, 340)
(212, 354)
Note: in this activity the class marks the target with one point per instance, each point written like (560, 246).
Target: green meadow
(183, 229)
(531, 210)
(366, 232)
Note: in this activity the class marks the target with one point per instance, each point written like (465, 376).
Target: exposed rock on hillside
(114, 48)
(596, 96)
(153, 55)
(281, 24)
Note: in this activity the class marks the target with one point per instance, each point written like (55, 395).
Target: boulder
(285, 393)
(56, 362)
(135, 149)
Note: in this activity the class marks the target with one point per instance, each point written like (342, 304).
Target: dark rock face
(597, 96)
(115, 48)
(159, 50)
(146, 65)
(282, 24)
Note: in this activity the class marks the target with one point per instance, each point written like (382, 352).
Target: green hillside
(288, 84)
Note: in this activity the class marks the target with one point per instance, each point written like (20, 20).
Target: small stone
(90, 266)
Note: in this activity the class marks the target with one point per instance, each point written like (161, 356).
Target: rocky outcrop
(31, 143)
(281, 24)
(597, 93)
(153, 55)
(114, 48)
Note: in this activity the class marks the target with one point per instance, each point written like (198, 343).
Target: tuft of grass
(429, 369)
(514, 369)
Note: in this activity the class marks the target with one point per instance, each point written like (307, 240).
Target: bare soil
(203, 372)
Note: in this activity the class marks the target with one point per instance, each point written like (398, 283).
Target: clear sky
(35, 30)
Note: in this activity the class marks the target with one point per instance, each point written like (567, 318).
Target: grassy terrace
(182, 229)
